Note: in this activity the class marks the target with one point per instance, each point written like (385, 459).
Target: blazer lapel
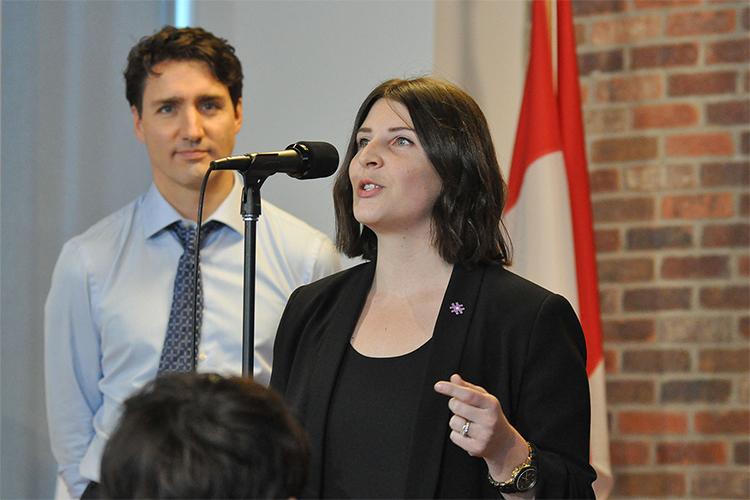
(347, 310)
(431, 423)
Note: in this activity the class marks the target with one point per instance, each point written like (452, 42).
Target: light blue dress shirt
(108, 306)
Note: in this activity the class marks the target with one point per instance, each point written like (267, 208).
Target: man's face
(187, 120)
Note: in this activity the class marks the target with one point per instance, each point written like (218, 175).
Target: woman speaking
(431, 370)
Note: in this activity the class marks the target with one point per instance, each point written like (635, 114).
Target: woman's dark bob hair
(466, 218)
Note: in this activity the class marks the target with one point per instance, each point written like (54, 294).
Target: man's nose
(192, 125)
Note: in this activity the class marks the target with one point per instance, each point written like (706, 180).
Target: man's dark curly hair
(194, 435)
(181, 44)
(453, 131)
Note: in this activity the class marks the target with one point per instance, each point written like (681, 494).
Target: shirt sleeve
(72, 354)
(327, 261)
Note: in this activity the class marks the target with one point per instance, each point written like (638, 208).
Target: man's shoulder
(289, 225)
(106, 229)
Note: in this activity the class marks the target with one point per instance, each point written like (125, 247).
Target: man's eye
(210, 106)
(167, 108)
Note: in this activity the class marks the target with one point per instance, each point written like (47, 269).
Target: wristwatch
(523, 477)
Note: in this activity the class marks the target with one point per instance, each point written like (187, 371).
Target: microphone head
(320, 159)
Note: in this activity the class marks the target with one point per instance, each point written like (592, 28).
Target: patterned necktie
(178, 343)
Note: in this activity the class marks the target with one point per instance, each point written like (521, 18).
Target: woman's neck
(409, 264)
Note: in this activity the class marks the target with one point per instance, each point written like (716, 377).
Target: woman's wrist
(501, 466)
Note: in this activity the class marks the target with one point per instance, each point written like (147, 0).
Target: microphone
(301, 160)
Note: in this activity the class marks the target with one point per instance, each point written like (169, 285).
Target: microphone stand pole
(250, 214)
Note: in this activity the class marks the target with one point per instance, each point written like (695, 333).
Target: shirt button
(202, 356)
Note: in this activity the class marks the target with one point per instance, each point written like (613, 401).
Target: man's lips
(192, 154)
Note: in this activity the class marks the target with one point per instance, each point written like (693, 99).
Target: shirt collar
(158, 213)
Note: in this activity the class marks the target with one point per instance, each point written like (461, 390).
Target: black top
(370, 423)
(522, 343)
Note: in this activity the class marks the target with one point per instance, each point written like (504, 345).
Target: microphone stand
(250, 211)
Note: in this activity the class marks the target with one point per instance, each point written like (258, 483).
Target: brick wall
(665, 90)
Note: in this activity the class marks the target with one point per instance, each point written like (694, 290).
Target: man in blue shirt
(109, 303)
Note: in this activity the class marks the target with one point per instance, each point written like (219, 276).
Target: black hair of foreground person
(205, 436)
(456, 138)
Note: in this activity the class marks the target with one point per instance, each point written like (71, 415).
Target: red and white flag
(548, 211)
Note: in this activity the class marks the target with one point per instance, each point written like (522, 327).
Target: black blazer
(519, 341)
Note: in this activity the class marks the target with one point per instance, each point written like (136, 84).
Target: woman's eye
(403, 141)
(362, 142)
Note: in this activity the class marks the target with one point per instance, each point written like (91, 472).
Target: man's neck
(185, 200)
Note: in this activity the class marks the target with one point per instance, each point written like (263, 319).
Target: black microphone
(302, 160)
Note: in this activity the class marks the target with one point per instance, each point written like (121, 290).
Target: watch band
(523, 477)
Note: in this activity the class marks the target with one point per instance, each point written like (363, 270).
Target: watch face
(526, 479)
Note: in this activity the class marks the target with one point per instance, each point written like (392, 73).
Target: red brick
(625, 30)
(651, 422)
(721, 484)
(745, 143)
(658, 4)
(589, 8)
(620, 210)
(631, 391)
(656, 299)
(708, 266)
(610, 361)
(650, 484)
(706, 144)
(728, 51)
(606, 61)
(695, 329)
(655, 361)
(701, 23)
(723, 422)
(741, 453)
(725, 174)
(726, 297)
(580, 34)
(665, 115)
(609, 300)
(628, 452)
(624, 149)
(607, 240)
(628, 330)
(743, 205)
(746, 19)
(728, 112)
(743, 265)
(726, 235)
(719, 82)
(744, 327)
(661, 56)
(656, 238)
(704, 453)
(697, 206)
(631, 88)
(724, 360)
(626, 270)
(606, 120)
(696, 391)
(606, 180)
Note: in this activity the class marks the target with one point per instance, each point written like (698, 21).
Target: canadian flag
(548, 211)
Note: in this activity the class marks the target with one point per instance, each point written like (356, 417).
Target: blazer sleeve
(285, 345)
(553, 410)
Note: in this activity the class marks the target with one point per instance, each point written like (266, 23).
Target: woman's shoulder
(342, 282)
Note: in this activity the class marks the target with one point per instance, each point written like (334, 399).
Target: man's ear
(137, 124)
(238, 116)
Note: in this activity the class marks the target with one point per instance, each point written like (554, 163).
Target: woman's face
(394, 184)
